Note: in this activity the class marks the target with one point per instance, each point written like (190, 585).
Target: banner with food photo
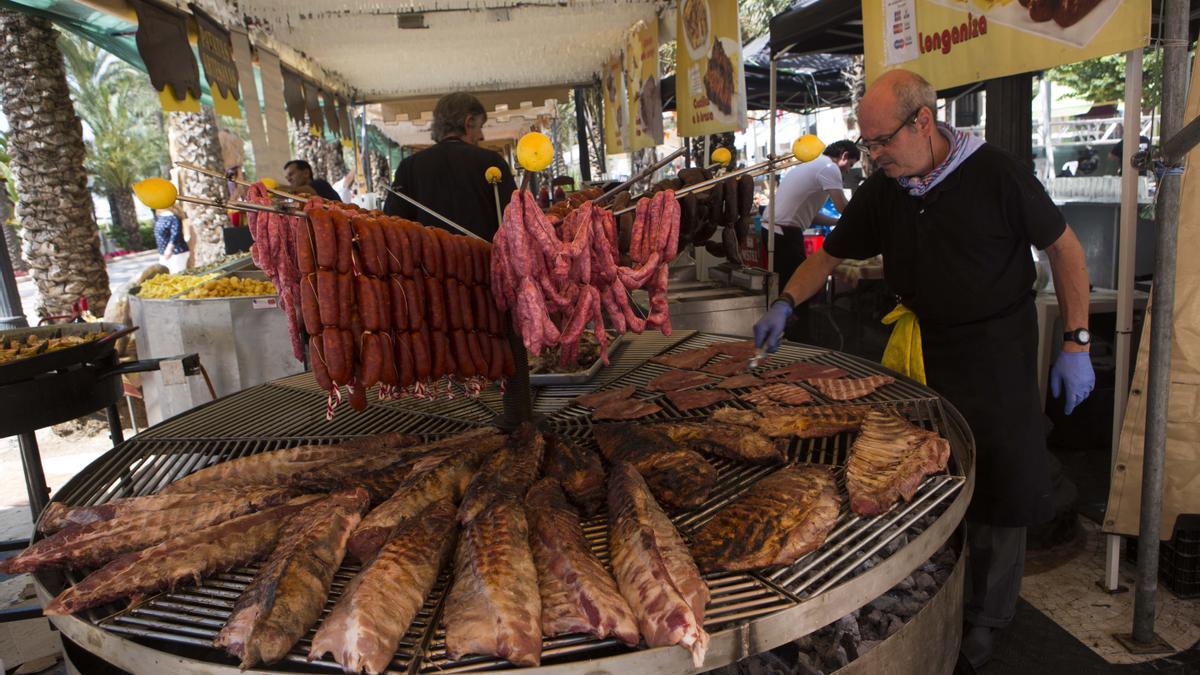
(710, 81)
(616, 107)
(954, 42)
(645, 97)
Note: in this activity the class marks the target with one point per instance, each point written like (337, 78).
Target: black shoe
(977, 645)
(963, 666)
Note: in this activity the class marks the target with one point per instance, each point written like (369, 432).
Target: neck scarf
(962, 145)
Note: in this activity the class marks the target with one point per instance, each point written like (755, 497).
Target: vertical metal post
(1125, 265)
(1047, 136)
(1162, 315)
(581, 134)
(35, 478)
(773, 283)
(366, 154)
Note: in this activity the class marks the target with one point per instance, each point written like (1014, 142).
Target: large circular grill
(748, 613)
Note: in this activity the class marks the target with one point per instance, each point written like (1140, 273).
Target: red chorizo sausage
(344, 237)
(306, 253)
(478, 357)
(328, 297)
(415, 240)
(384, 296)
(422, 359)
(431, 252)
(496, 361)
(391, 244)
(462, 355)
(335, 356)
(465, 305)
(469, 253)
(437, 303)
(316, 358)
(349, 351)
(399, 306)
(310, 309)
(358, 394)
(405, 253)
(372, 360)
(412, 299)
(323, 246)
(368, 303)
(345, 299)
(404, 359)
(449, 260)
(483, 252)
(368, 246)
(454, 310)
(441, 352)
(479, 308)
(390, 375)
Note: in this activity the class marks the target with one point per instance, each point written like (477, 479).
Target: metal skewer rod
(218, 174)
(767, 166)
(433, 213)
(236, 206)
(642, 174)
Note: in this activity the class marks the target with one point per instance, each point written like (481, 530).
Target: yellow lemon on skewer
(492, 174)
(721, 156)
(157, 193)
(535, 151)
(807, 148)
(270, 183)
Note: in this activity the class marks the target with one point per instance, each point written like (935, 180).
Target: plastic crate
(1178, 562)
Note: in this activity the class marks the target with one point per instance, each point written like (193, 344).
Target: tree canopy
(1102, 80)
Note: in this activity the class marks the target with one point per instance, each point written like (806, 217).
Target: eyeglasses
(869, 146)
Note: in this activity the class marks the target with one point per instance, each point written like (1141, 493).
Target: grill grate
(291, 411)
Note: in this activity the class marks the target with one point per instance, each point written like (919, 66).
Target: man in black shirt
(449, 176)
(300, 180)
(954, 219)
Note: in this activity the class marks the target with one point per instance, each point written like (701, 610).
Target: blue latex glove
(1072, 373)
(769, 329)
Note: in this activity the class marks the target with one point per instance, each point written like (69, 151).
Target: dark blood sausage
(1069, 12)
(729, 242)
(358, 394)
(688, 223)
(384, 296)
(345, 299)
(372, 360)
(496, 361)
(454, 311)
(310, 309)
(420, 354)
(467, 308)
(745, 206)
(335, 356)
(389, 375)
(316, 356)
(730, 214)
(324, 245)
(412, 303)
(404, 359)
(441, 352)
(328, 297)
(1041, 10)
(478, 358)
(344, 236)
(368, 303)
(306, 251)
(391, 241)
(437, 306)
(399, 307)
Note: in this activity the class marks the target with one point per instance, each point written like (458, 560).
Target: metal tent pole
(1162, 315)
(1125, 260)
(773, 283)
(11, 313)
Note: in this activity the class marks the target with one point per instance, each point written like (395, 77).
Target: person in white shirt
(345, 187)
(798, 202)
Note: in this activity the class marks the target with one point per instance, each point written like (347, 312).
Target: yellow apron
(903, 352)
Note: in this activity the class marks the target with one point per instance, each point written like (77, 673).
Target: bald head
(899, 93)
(898, 120)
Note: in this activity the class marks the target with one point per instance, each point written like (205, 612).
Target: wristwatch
(1080, 336)
(786, 297)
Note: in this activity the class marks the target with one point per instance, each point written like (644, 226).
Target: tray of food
(27, 352)
(544, 369)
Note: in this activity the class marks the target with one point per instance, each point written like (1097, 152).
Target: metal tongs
(757, 359)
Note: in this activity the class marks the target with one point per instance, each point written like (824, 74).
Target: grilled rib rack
(748, 613)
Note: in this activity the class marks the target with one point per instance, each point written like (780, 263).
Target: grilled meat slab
(850, 388)
(58, 515)
(289, 591)
(628, 409)
(273, 468)
(701, 398)
(779, 519)
(653, 567)
(190, 556)
(578, 595)
(809, 422)
(727, 367)
(722, 440)
(804, 370)
(678, 476)
(494, 607)
(779, 392)
(446, 480)
(740, 382)
(677, 380)
(578, 469)
(377, 607)
(506, 474)
(888, 460)
(597, 399)
(98, 542)
(739, 349)
(691, 359)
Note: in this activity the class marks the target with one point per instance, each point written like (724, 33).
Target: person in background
(345, 187)
(798, 201)
(168, 235)
(1138, 159)
(301, 181)
(954, 218)
(448, 177)
(237, 193)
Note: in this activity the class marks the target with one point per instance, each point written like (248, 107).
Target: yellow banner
(616, 107)
(645, 99)
(710, 81)
(954, 42)
(166, 98)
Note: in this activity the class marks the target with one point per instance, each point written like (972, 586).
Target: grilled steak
(289, 591)
(740, 382)
(689, 400)
(677, 380)
(725, 441)
(740, 349)
(578, 595)
(446, 480)
(678, 476)
(809, 422)
(275, 467)
(779, 519)
(99, 542)
(579, 471)
(654, 570)
(506, 474)
(377, 607)
(849, 388)
(597, 399)
(691, 359)
(58, 515)
(889, 459)
(494, 607)
(727, 367)
(804, 370)
(190, 556)
(779, 392)
(628, 409)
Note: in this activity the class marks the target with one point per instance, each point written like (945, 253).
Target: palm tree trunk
(334, 160)
(309, 148)
(62, 242)
(193, 138)
(124, 213)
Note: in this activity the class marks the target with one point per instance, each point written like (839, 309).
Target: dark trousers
(789, 254)
(995, 565)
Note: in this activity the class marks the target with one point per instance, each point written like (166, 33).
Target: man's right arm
(811, 275)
